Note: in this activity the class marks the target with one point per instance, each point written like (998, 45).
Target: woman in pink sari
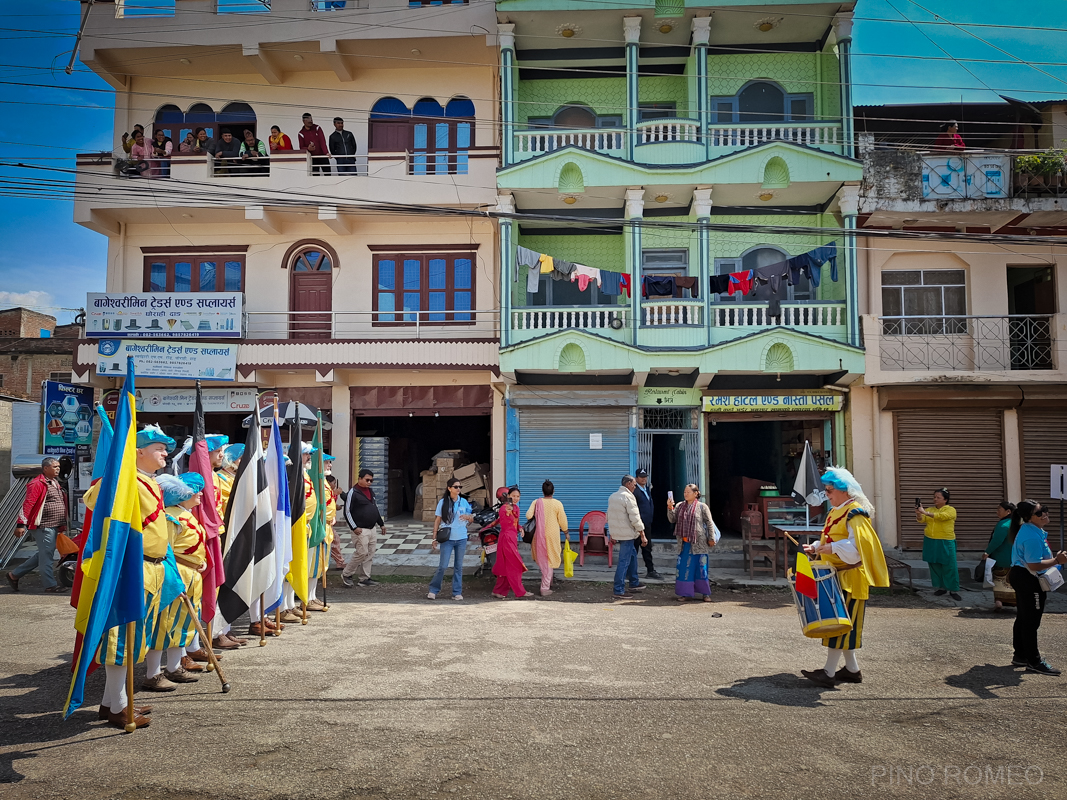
(509, 567)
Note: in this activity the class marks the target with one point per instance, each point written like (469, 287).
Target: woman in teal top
(453, 513)
(1030, 555)
(999, 552)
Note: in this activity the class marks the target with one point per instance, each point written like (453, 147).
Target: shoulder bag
(530, 528)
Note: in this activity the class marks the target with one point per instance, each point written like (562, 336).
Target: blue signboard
(68, 417)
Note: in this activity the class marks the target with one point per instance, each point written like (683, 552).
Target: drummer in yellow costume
(189, 540)
(152, 448)
(850, 544)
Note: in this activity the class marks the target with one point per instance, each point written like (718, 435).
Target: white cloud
(33, 298)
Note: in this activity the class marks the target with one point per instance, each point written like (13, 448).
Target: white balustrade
(659, 314)
(793, 315)
(750, 135)
(668, 130)
(597, 139)
(528, 319)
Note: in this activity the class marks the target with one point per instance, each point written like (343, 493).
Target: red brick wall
(35, 368)
(22, 323)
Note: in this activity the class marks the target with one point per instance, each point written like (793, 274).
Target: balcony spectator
(312, 139)
(343, 146)
(128, 141)
(227, 154)
(187, 145)
(254, 155)
(949, 140)
(204, 144)
(162, 147)
(140, 156)
(279, 142)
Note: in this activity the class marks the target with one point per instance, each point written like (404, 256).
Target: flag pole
(213, 662)
(131, 632)
(325, 569)
(278, 608)
(262, 622)
(210, 652)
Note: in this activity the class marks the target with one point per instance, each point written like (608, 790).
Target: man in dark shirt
(311, 138)
(343, 146)
(643, 493)
(362, 515)
(45, 513)
(227, 154)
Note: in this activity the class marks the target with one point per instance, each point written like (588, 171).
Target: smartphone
(918, 503)
(670, 495)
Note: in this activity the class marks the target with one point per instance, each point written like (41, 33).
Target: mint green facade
(640, 135)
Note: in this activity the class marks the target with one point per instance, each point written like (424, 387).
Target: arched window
(168, 119)
(311, 266)
(389, 108)
(762, 101)
(757, 257)
(236, 117)
(437, 137)
(575, 117)
(312, 261)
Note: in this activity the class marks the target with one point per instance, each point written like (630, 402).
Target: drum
(826, 616)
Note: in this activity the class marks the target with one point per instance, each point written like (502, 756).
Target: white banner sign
(207, 362)
(174, 315)
(176, 401)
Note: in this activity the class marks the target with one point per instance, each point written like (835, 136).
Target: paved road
(389, 695)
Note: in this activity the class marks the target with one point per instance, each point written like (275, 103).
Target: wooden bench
(894, 566)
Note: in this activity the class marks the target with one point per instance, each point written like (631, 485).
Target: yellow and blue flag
(112, 585)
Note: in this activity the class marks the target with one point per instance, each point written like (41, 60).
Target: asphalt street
(390, 695)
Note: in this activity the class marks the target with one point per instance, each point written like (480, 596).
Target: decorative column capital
(702, 202)
(505, 32)
(701, 30)
(848, 198)
(635, 202)
(843, 26)
(631, 29)
(505, 204)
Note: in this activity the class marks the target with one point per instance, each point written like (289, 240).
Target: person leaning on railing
(254, 155)
(949, 139)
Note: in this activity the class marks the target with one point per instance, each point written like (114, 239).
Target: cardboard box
(479, 496)
(472, 482)
(466, 471)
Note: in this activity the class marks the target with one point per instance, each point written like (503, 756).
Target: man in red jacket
(311, 138)
(45, 513)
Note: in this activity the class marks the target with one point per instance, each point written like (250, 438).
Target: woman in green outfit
(999, 552)
(939, 544)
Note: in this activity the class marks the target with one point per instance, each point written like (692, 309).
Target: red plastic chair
(597, 524)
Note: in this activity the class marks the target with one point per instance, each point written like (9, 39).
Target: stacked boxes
(372, 452)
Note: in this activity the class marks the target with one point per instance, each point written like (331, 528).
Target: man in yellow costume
(850, 544)
(152, 448)
(229, 458)
(188, 539)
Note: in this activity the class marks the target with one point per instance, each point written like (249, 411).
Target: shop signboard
(162, 359)
(666, 396)
(157, 315)
(68, 417)
(816, 401)
(183, 401)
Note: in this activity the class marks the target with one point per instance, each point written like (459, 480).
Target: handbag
(1050, 580)
(530, 528)
(568, 558)
(979, 571)
(442, 534)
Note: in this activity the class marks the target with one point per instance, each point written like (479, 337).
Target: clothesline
(538, 264)
(764, 282)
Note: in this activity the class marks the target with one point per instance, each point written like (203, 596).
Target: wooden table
(802, 533)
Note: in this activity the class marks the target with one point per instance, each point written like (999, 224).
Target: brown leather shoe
(103, 712)
(224, 643)
(119, 719)
(845, 675)
(190, 666)
(180, 676)
(159, 683)
(819, 678)
(254, 630)
(289, 616)
(200, 656)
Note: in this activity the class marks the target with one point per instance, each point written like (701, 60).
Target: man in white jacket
(626, 528)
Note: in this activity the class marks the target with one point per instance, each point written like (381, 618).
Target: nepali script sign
(771, 402)
(171, 315)
(183, 360)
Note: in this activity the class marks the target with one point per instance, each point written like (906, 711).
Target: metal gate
(690, 441)
(1044, 442)
(554, 444)
(962, 450)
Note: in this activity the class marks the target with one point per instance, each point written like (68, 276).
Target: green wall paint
(544, 98)
(796, 72)
(664, 89)
(600, 252)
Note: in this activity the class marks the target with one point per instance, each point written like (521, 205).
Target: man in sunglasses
(362, 515)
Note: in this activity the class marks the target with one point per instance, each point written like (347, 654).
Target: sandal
(55, 589)
(13, 581)
(707, 598)
(681, 599)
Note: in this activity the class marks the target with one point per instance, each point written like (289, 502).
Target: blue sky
(50, 263)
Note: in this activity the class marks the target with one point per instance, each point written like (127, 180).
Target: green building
(675, 143)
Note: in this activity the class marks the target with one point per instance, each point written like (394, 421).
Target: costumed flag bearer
(316, 560)
(189, 541)
(229, 459)
(850, 544)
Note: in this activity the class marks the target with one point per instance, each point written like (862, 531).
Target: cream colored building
(966, 343)
(362, 297)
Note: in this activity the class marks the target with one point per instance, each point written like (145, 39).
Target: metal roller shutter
(962, 450)
(554, 444)
(1044, 442)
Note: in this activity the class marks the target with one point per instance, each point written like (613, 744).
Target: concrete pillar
(498, 439)
(701, 36)
(341, 417)
(843, 30)
(506, 36)
(635, 209)
(631, 30)
(848, 198)
(1013, 457)
(505, 204)
(702, 212)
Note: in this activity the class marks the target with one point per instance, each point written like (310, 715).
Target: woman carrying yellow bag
(568, 557)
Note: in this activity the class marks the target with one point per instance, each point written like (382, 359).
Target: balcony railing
(667, 312)
(373, 325)
(570, 317)
(668, 130)
(793, 315)
(601, 140)
(967, 343)
(811, 134)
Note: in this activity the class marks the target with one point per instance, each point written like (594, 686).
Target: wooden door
(311, 296)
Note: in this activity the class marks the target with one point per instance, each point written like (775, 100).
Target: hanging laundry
(564, 268)
(692, 284)
(624, 283)
(533, 280)
(609, 283)
(827, 253)
(719, 284)
(547, 264)
(583, 275)
(773, 274)
(740, 282)
(525, 257)
(656, 286)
